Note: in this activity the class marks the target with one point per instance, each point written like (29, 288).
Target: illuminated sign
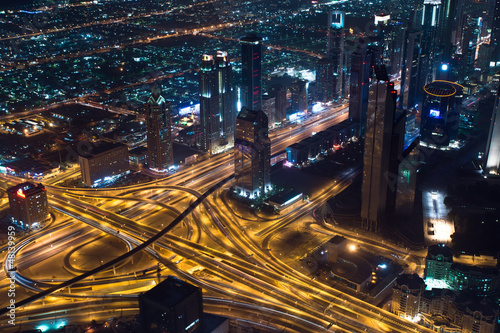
(20, 193)
(337, 19)
(435, 113)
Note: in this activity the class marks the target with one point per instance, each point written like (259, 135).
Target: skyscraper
(361, 62)
(379, 129)
(446, 19)
(492, 155)
(324, 81)
(279, 92)
(440, 113)
(413, 74)
(299, 96)
(159, 131)
(252, 153)
(251, 70)
(335, 48)
(217, 107)
(495, 32)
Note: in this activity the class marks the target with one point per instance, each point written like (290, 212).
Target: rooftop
(170, 292)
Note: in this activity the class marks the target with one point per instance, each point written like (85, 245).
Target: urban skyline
(259, 166)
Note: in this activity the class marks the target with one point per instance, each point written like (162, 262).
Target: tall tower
(379, 129)
(217, 116)
(324, 81)
(444, 28)
(335, 48)
(495, 32)
(251, 70)
(361, 62)
(299, 96)
(413, 74)
(159, 131)
(252, 153)
(492, 156)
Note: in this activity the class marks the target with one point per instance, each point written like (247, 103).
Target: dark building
(359, 84)
(28, 204)
(447, 12)
(269, 108)
(325, 91)
(413, 73)
(299, 96)
(407, 182)
(495, 32)
(103, 162)
(252, 154)
(159, 131)
(335, 48)
(281, 103)
(379, 131)
(173, 306)
(492, 155)
(440, 113)
(251, 71)
(217, 107)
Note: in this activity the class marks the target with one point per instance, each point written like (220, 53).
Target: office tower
(252, 154)
(413, 74)
(324, 81)
(379, 130)
(269, 108)
(391, 34)
(299, 96)
(406, 295)
(440, 113)
(103, 163)
(406, 182)
(159, 131)
(492, 155)
(361, 63)
(279, 92)
(446, 19)
(171, 306)
(28, 204)
(335, 48)
(217, 106)
(429, 26)
(251, 71)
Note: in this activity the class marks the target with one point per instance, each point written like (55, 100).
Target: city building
(251, 71)
(138, 156)
(406, 295)
(407, 182)
(359, 84)
(447, 14)
(413, 74)
(281, 103)
(379, 130)
(335, 49)
(171, 306)
(252, 154)
(495, 32)
(492, 154)
(325, 91)
(159, 132)
(440, 114)
(299, 96)
(28, 204)
(217, 105)
(438, 265)
(103, 163)
(269, 108)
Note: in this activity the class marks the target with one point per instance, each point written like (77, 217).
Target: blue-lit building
(440, 114)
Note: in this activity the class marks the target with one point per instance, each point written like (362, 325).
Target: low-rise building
(28, 204)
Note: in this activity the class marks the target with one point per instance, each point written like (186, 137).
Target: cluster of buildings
(458, 297)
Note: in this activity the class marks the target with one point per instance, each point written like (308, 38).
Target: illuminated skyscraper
(361, 62)
(159, 132)
(252, 153)
(379, 131)
(28, 204)
(251, 70)
(440, 113)
(335, 48)
(217, 107)
(492, 155)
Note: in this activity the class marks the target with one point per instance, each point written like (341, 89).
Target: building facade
(252, 154)
(492, 154)
(335, 49)
(325, 91)
(103, 163)
(251, 71)
(217, 105)
(406, 295)
(159, 132)
(28, 204)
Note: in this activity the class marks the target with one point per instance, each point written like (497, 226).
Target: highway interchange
(218, 246)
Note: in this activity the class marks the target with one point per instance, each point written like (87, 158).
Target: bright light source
(383, 266)
(43, 328)
(352, 247)
(444, 67)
